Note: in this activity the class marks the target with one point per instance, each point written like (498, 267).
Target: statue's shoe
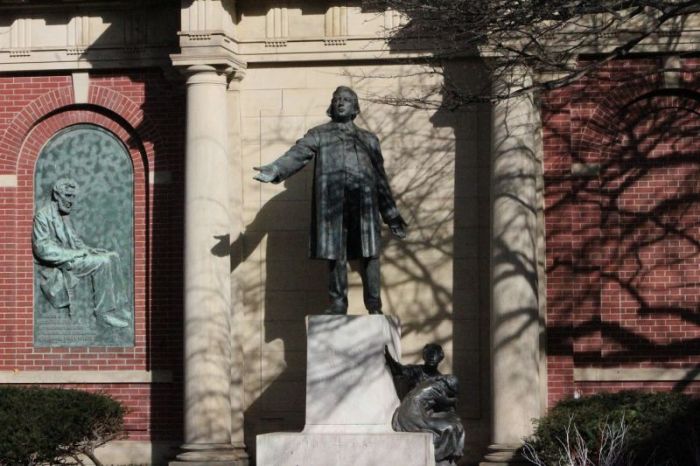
(336, 311)
(114, 321)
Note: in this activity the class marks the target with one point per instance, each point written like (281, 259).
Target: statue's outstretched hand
(398, 227)
(267, 173)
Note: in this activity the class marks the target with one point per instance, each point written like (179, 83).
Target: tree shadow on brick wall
(625, 234)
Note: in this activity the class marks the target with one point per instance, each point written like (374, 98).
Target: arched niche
(102, 217)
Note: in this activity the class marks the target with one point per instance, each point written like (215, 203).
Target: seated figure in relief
(65, 260)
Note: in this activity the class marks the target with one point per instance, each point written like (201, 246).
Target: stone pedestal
(350, 399)
(348, 387)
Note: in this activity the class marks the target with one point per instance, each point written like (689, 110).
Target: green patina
(102, 218)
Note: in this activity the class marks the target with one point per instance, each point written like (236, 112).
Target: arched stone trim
(101, 100)
(11, 140)
(606, 128)
(127, 109)
(605, 139)
(141, 155)
(599, 128)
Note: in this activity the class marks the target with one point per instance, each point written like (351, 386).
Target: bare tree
(549, 38)
(574, 449)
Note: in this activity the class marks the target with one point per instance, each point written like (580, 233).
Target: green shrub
(40, 425)
(661, 428)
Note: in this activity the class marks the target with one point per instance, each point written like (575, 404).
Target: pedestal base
(504, 455)
(209, 463)
(372, 449)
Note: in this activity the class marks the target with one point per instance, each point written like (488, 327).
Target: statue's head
(345, 105)
(64, 192)
(433, 354)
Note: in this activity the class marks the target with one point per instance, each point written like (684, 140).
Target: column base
(504, 455)
(210, 454)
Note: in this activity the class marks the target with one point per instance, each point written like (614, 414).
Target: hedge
(46, 425)
(662, 428)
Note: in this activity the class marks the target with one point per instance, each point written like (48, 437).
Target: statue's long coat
(330, 145)
(54, 243)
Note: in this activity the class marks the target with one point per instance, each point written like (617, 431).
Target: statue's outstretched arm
(394, 366)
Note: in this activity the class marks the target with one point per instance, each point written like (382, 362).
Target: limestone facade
(280, 61)
(248, 78)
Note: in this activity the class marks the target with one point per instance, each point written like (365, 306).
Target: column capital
(207, 74)
(190, 64)
(212, 74)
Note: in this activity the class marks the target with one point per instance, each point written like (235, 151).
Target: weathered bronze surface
(350, 195)
(428, 403)
(406, 377)
(82, 240)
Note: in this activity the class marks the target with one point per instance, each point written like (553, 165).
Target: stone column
(515, 317)
(207, 342)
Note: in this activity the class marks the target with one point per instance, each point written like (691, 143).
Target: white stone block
(350, 399)
(8, 181)
(348, 386)
(376, 449)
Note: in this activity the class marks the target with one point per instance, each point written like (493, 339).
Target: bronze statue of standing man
(350, 196)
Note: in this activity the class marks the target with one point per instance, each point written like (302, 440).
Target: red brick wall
(623, 246)
(146, 112)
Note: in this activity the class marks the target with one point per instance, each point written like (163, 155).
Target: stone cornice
(113, 34)
(74, 59)
(634, 374)
(98, 377)
(63, 4)
(321, 49)
(207, 47)
(73, 35)
(206, 37)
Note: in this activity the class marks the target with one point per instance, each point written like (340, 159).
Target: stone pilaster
(237, 226)
(515, 315)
